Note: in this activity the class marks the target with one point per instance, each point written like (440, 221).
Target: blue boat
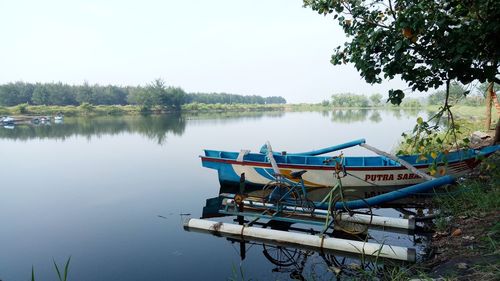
(372, 175)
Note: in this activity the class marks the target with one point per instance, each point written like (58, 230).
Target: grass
(463, 110)
(478, 194)
(200, 107)
(61, 277)
(92, 110)
(88, 109)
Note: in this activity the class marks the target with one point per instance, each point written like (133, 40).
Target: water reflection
(234, 116)
(153, 127)
(157, 127)
(108, 192)
(300, 262)
(349, 115)
(373, 115)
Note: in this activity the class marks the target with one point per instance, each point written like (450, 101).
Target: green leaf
(57, 270)
(398, 46)
(396, 96)
(66, 269)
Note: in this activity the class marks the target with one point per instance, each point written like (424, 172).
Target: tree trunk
(488, 106)
(497, 132)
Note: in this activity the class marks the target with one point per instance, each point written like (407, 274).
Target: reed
(62, 276)
(237, 274)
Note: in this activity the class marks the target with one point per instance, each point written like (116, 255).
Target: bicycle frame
(294, 188)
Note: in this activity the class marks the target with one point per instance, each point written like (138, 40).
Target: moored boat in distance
(59, 117)
(369, 174)
(6, 120)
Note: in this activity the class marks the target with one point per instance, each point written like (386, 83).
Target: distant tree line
(156, 93)
(223, 98)
(354, 100)
(460, 94)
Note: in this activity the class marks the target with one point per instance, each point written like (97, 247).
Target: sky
(261, 47)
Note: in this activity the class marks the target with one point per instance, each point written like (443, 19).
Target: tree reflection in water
(154, 127)
(352, 115)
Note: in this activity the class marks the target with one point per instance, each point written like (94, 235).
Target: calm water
(110, 191)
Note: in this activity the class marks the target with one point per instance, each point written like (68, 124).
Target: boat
(7, 120)
(368, 175)
(59, 117)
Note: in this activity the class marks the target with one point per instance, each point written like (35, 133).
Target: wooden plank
(271, 159)
(399, 160)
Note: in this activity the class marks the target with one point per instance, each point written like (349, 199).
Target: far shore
(88, 109)
(117, 110)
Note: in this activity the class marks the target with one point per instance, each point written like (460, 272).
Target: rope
(241, 233)
(321, 244)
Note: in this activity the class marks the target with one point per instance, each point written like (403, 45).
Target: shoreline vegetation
(462, 111)
(158, 98)
(89, 109)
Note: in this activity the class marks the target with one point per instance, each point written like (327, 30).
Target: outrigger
(285, 199)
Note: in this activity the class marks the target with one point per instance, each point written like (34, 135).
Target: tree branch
(392, 10)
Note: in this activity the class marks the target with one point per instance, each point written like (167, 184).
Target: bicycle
(288, 195)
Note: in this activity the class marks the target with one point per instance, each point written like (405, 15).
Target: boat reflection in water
(301, 262)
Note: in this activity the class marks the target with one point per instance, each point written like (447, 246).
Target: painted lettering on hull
(390, 177)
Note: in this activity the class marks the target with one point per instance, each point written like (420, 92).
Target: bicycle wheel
(274, 190)
(281, 256)
(352, 221)
(289, 201)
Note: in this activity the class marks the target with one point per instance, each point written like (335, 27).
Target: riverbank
(465, 245)
(96, 110)
(88, 109)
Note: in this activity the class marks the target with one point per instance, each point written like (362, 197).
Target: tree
(349, 100)
(61, 94)
(16, 93)
(156, 93)
(177, 97)
(275, 100)
(40, 95)
(427, 43)
(142, 97)
(85, 94)
(159, 94)
(483, 88)
(456, 92)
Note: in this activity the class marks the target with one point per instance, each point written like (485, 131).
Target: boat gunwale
(325, 167)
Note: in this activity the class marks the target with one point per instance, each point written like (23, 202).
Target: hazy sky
(263, 47)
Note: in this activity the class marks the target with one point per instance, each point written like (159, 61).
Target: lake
(113, 192)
